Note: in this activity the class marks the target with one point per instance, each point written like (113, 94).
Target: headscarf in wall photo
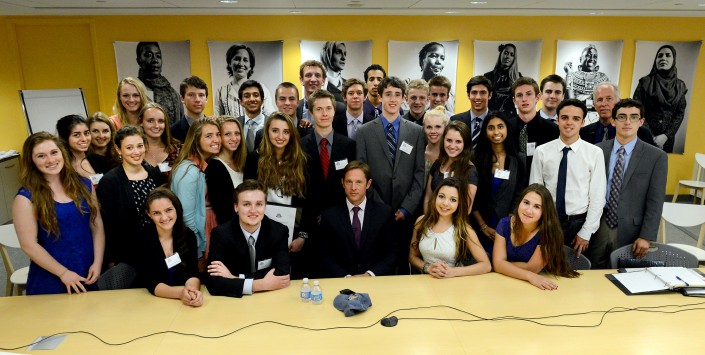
(425, 60)
(233, 63)
(664, 72)
(160, 66)
(584, 65)
(342, 59)
(502, 63)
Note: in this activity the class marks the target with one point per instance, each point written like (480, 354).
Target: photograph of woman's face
(338, 60)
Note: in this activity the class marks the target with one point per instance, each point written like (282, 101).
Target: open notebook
(657, 279)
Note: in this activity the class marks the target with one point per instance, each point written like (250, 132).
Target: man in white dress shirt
(574, 172)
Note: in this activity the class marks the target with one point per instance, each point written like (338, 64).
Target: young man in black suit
(358, 234)
(328, 153)
(479, 93)
(194, 96)
(354, 92)
(249, 253)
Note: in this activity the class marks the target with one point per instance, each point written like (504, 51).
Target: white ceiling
(657, 8)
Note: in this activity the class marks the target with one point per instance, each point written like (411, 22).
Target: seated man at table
(249, 253)
(358, 234)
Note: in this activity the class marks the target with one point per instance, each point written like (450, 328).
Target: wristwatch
(303, 235)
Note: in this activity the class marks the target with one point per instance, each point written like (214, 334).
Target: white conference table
(118, 316)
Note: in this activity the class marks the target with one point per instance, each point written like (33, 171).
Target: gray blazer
(643, 192)
(400, 185)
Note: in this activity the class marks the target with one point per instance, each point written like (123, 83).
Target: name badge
(406, 147)
(95, 179)
(173, 260)
(341, 164)
(530, 149)
(261, 265)
(501, 174)
(164, 167)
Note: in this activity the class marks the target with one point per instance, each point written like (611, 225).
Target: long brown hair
(461, 165)
(179, 233)
(550, 233)
(240, 154)
(166, 137)
(286, 174)
(110, 153)
(42, 195)
(192, 149)
(430, 219)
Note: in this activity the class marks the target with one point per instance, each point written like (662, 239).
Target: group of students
(119, 196)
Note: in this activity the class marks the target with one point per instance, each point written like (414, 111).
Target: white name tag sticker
(501, 174)
(173, 260)
(261, 265)
(341, 164)
(406, 147)
(164, 167)
(530, 149)
(95, 179)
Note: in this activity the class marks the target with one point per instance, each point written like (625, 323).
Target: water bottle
(305, 291)
(316, 293)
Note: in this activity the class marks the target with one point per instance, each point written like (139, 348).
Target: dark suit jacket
(340, 122)
(228, 245)
(508, 193)
(377, 252)
(643, 191)
(539, 131)
(589, 133)
(407, 116)
(466, 118)
(339, 114)
(120, 218)
(323, 193)
(401, 184)
(222, 200)
(179, 129)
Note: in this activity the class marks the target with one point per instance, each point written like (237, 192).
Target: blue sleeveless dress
(73, 249)
(521, 253)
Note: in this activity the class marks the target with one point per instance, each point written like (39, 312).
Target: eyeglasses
(632, 118)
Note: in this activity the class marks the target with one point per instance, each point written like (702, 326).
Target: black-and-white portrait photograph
(664, 72)
(160, 66)
(425, 60)
(343, 60)
(233, 63)
(504, 62)
(584, 65)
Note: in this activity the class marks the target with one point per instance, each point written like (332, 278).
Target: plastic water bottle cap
(315, 283)
(305, 280)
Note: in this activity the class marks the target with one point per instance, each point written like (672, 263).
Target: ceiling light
(296, 12)
(229, 1)
(451, 12)
(478, 2)
(596, 13)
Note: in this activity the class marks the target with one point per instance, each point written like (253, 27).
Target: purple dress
(72, 249)
(521, 253)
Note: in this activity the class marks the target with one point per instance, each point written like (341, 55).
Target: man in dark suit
(354, 92)
(528, 128)
(251, 96)
(479, 93)
(606, 95)
(312, 74)
(394, 149)
(194, 96)
(358, 234)
(249, 253)
(636, 188)
(552, 94)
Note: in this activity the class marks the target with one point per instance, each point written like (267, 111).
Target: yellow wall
(61, 52)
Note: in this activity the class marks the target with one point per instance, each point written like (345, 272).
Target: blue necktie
(475, 130)
(391, 142)
(615, 189)
(560, 189)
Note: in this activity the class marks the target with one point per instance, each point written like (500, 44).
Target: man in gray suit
(394, 150)
(636, 187)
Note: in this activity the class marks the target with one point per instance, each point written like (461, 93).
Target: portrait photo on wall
(233, 63)
(343, 60)
(160, 66)
(503, 62)
(425, 60)
(584, 65)
(664, 73)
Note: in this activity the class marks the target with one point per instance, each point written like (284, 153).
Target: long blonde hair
(192, 149)
(166, 137)
(34, 181)
(119, 109)
(286, 174)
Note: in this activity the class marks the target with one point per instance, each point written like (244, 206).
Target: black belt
(574, 217)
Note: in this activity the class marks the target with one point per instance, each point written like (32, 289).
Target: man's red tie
(325, 159)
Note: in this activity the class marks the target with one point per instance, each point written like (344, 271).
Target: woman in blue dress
(57, 220)
(531, 241)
